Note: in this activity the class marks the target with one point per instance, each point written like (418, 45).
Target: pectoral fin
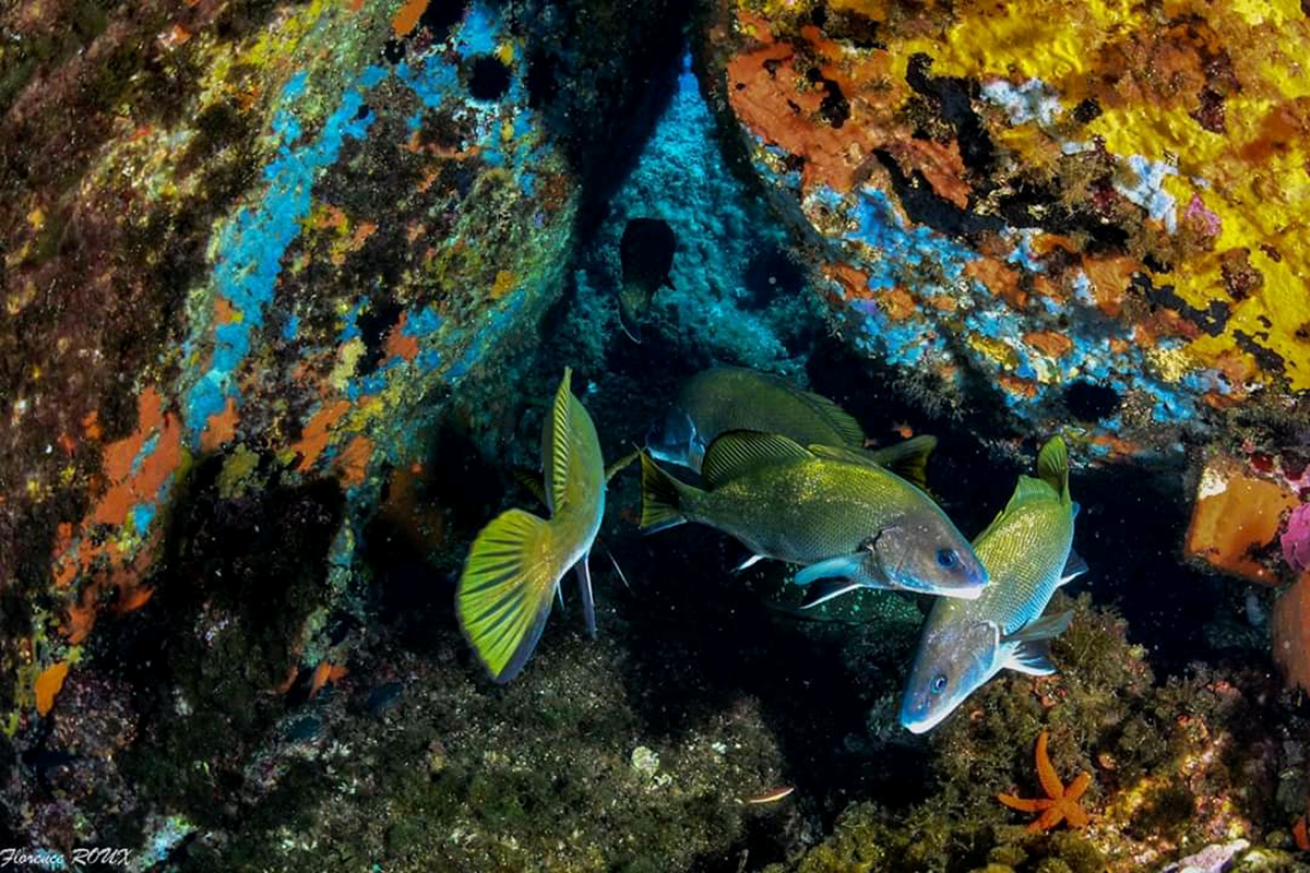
(1032, 658)
(749, 562)
(826, 589)
(1073, 568)
(843, 566)
(583, 571)
(854, 569)
(1044, 628)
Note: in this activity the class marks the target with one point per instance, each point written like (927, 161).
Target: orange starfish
(1061, 804)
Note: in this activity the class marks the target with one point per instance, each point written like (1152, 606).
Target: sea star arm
(1023, 804)
(1045, 772)
(1078, 786)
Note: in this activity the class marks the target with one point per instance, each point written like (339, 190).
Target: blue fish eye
(938, 683)
(947, 558)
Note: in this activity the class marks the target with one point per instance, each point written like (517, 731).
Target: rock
(1083, 237)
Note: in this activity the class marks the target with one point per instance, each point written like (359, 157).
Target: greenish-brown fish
(1027, 551)
(850, 521)
(721, 399)
(517, 561)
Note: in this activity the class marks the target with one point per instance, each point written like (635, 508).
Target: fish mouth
(915, 716)
(971, 591)
(923, 724)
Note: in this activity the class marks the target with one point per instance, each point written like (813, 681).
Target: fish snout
(916, 724)
(976, 579)
(914, 713)
(976, 572)
(957, 572)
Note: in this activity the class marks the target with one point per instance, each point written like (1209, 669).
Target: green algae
(1170, 760)
(456, 779)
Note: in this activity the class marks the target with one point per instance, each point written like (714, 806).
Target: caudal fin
(505, 591)
(661, 498)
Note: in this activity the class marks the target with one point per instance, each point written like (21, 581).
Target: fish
(1028, 553)
(516, 562)
(646, 255)
(850, 521)
(721, 399)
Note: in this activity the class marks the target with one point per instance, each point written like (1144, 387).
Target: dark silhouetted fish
(646, 253)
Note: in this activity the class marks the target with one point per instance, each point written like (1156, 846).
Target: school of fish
(786, 473)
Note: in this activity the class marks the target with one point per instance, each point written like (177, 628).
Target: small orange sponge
(1235, 516)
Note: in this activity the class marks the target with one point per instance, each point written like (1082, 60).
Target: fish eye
(938, 683)
(947, 558)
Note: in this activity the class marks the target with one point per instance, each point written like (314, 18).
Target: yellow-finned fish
(721, 399)
(516, 562)
(1027, 550)
(852, 521)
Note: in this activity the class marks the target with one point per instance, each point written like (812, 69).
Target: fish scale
(813, 510)
(1029, 553)
(722, 398)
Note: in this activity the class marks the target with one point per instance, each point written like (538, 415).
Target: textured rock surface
(1091, 213)
(275, 235)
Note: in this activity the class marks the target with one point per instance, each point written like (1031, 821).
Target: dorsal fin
(987, 530)
(556, 438)
(909, 459)
(1028, 489)
(737, 452)
(845, 455)
(1042, 628)
(1053, 467)
(837, 418)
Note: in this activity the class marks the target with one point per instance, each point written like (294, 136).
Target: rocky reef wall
(1086, 215)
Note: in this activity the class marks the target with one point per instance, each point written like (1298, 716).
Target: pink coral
(1296, 539)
